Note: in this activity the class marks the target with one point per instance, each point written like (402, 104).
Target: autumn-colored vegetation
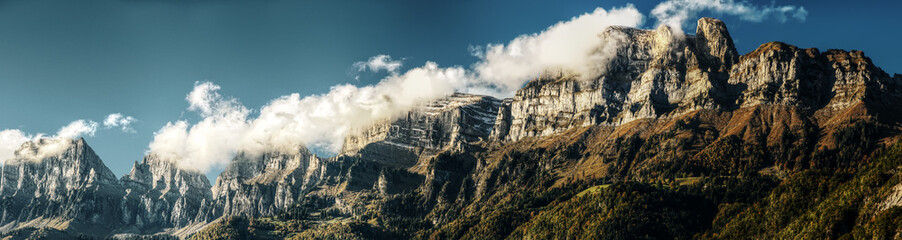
(653, 186)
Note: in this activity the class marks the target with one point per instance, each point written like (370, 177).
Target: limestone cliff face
(502, 121)
(448, 123)
(714, 42)
(160, 195)
(73, 186)
(375, 160)
(782, 74)
(262, 185)
(657, 74)
(654, 73)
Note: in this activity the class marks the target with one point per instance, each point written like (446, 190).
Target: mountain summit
(70, 189)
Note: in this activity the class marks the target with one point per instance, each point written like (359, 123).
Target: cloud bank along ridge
(12, 140)
(289, 122)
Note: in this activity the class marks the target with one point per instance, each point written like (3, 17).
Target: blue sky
(67, 60)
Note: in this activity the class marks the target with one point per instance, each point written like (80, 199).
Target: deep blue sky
(67, 60)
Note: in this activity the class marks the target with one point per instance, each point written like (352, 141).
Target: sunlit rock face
(373, 159)
(71, 184)
(161, 195)
(654, 73)
(262, 185)
(782, 74)
(448, 123)
(657, 74)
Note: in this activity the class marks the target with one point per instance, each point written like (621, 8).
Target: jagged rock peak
(52, 147)
(261, 184)
(58, 179)
(654, 73)
(712, 35)
(158, 169)
(160, 194)
(77, 161)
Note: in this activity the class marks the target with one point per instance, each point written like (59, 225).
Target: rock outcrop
(262, 185)
(779, 73)
(448, 123)
(655, 73)
(158, 194)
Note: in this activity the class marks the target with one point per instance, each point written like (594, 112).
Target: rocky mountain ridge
(655, 75)
(158, 197)
(450, 123)
(161, 195)
(667, 105)
(262, 185)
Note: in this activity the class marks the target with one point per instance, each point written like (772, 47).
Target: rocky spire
(261, 184)
(713, 38)
(159, 194)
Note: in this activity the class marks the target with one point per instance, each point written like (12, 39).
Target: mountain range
(680, 136)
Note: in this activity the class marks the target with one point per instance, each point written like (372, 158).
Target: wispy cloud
(675, 13)
(117, 120)
(378, 63)
(77, 128)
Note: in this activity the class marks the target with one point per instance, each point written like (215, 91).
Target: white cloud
(206, 100)
(378, 63)
(573, 45)
(57, 144)
(12, 140)
(120, 121)
(77, 128)
(212, 140)
(675, 13)
(291, 121)
(325, 119)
